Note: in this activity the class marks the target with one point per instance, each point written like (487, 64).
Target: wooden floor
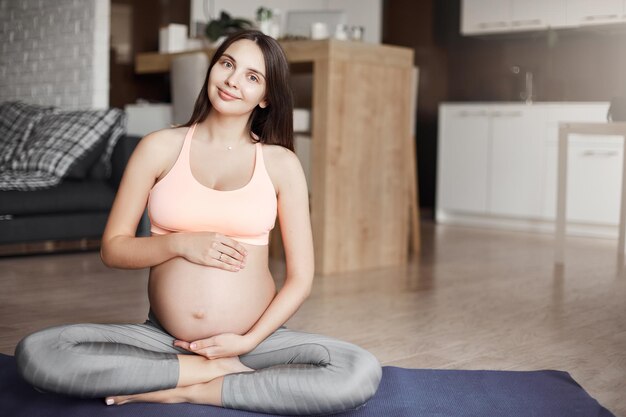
(475, 299)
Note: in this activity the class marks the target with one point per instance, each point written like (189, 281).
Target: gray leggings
(295, 372)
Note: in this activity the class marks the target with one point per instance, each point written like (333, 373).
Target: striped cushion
(16, 121)
(60, 139)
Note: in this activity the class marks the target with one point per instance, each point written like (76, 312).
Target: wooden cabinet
(361, 133)
(497, 167)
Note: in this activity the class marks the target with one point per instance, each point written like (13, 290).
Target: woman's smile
(224, 95)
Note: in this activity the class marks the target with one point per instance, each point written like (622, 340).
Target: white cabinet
(485, 16)
(596, 12)
(537, 14)
(594, 179)
(463, 186)
(497, 167)
(516, 159)
(490, 159)
(495, 16)
(567, 113)
(594, 168)
(482, 17)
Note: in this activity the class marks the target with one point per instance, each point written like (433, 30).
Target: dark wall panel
(148, 17)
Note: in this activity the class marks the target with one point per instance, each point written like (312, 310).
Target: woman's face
(237, 81)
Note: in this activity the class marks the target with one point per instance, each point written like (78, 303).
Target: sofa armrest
(121, 154)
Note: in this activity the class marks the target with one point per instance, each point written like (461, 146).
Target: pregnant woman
(215, 332)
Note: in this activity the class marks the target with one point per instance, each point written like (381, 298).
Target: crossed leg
(205, 393)
(293, 373)
(290, 372)
(99, 360)
(194, 384)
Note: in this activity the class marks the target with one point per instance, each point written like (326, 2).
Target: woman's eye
(227, 64)
(253, 78)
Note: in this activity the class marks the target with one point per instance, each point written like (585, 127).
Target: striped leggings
(295, 372)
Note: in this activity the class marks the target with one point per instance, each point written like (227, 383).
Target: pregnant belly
(194, 302)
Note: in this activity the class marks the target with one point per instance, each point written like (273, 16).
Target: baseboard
(605, 231)
(49, 246)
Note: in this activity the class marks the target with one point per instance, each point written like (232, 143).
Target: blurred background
(77, 55)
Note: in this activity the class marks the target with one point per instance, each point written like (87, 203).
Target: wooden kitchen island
(361, 137)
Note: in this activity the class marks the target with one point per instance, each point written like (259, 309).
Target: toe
(117, 400)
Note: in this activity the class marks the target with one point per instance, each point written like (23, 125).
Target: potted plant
(267, 20)
(225, 25)
(264, 19)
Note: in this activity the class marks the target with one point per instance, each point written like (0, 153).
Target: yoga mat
(402, 393)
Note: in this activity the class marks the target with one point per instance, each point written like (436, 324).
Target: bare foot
(168, 396)
(220, 367)
(231, 365)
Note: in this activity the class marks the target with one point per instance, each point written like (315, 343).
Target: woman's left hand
(219, 346)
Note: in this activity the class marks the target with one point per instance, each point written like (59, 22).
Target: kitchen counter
(298, 52)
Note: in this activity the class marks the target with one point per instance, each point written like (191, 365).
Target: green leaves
(226, 25)
(264, 13)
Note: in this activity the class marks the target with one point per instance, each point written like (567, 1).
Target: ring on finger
(220, 257)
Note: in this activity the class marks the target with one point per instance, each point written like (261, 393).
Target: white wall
(55, 52)
(101, 43)
(366, 13)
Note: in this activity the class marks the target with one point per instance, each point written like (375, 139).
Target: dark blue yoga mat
(402, 393)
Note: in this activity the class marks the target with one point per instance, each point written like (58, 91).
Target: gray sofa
(75, 208)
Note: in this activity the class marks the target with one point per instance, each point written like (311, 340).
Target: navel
(198, 314)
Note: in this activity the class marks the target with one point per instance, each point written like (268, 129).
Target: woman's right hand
(211, 249)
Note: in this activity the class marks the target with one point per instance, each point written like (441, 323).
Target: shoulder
(281, 164)
(162, 145)
(164, 139)
(159, 150)
(280, 159)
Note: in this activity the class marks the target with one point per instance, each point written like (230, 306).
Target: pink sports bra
(178, 202)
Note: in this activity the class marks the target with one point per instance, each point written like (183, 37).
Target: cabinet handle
(602, 154)
(600, 17)
(528, 22)
(487, 25)
(498, 113)
(465, 113)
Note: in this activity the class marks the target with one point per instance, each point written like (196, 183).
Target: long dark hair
(274, 123)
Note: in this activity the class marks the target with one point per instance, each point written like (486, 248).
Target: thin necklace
(230, 147)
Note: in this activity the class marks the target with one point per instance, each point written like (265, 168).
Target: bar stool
(565, 129)
(187, 76)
